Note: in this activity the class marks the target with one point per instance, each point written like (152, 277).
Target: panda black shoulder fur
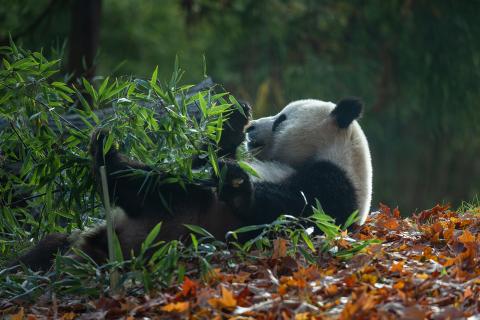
(310, 150)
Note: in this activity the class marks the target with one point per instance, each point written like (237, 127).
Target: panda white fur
(310, 150)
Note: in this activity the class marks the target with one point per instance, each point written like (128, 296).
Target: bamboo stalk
(110, 229)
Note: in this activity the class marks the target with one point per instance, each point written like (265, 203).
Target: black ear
(347, 110)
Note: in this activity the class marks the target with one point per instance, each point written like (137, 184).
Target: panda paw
(233, 130)
(235, 186)
(97, 143)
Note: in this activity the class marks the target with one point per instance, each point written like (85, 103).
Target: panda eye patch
(279, 120)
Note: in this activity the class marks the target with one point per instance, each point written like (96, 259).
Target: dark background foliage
(415, 63)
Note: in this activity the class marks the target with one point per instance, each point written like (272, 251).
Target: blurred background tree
(415, 63)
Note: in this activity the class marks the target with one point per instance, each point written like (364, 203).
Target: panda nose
(250, 128)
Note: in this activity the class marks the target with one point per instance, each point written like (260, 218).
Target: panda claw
(237, 182)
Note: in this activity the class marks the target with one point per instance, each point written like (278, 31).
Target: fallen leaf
(422, 276)
(350, 280)
(176, 307)
(467, 293)
(279, 248)
(19, 315)
(397, 267)
(227, 300)
(391, 224)
(189, 287)
(331, 290)
(466, 237)
(303, 316)
(68, 316)
(399, 285)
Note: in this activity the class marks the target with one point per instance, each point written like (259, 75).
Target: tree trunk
(84, 37)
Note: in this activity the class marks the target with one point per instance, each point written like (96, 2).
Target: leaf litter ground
(426, 267)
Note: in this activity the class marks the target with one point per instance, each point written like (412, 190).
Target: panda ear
(347, 110)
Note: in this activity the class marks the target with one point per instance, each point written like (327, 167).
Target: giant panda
(310, 150)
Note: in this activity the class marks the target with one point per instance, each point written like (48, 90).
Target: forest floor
(424, 267)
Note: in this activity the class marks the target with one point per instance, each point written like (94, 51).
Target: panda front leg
(235, 187)
(260, 201)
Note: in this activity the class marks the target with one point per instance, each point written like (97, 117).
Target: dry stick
(110, 229)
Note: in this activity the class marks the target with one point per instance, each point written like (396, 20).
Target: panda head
(305, 130)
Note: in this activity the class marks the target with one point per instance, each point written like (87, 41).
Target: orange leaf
(466, 237)
(391, 224)
(467, 293)
(303, 316)
(350, 280)
(331, 290)
(422, 276)
(282, 289)
(19, 315)
(301, 283)
(399, 285)
(69, 316)
(449, 261)
(448, 233)
(427, 253)
(241, 277)
(370, 278)
(226, 301)
(437, 227)
(397, 267)
(176, 307)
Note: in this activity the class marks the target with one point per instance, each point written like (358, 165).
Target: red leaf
(189, 287)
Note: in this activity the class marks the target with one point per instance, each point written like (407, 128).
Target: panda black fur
(310, 150)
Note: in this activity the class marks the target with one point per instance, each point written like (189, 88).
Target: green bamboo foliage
(46, 183)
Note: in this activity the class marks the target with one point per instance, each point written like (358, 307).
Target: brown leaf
(396, 213)
(243, 296)
(279, 248)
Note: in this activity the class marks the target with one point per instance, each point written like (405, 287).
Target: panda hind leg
(41, 256)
